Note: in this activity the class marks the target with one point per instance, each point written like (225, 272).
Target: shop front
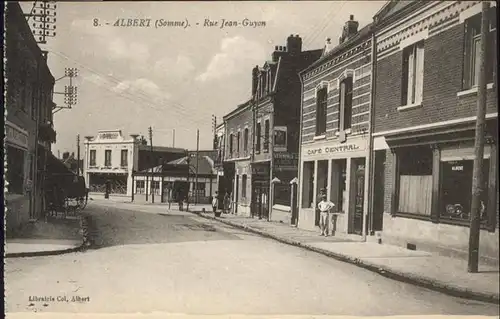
(260, 189)
(432, 193)
(19, 176)
(242, 188)
(337, 169)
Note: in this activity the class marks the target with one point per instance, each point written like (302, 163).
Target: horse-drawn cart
(66, 193)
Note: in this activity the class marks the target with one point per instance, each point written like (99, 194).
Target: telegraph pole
(173, 137)
(78, 155)
(477, 177)
(44, 20)
(152, 167)
(197, 163)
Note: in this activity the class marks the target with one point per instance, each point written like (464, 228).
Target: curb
(381, 270)
(46, 253)
(80, 248)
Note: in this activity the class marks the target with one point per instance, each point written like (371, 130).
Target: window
(456, 186)
(124, 158)
(140, 189)
(156, 187)
(92, 161)
(199, 189)
(231, 145)
(280, 137)
(245, 140)
(345, 104)
(472, 46)
(107, 158)
(238, 143)
(413, 74)
(244, 186)
(415, 180)
(308, 185)
(321, 101)
(266, 136)
(15, 170)
(257, 135)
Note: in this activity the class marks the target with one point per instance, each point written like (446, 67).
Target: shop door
(359, 189)
(260, 197)
(237, 191)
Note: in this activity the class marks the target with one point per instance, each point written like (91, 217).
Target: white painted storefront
(340, 169)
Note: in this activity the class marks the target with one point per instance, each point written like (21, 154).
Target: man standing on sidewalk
(324, 207)
(215, 202)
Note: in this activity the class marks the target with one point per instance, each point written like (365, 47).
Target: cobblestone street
(177, 262)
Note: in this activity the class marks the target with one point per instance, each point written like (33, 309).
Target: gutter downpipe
(299, 160)
(371, 154)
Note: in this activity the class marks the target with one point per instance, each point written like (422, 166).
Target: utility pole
(477, 177)
(44, 20)
(197, 163)
(173, 137)
(152, 167)
(78, 155)
(188, 161)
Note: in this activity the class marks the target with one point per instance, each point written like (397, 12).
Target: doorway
(378, 186)
(236, 193)
(358, 195)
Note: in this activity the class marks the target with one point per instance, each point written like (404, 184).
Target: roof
(356, 39)
(161, 149)
(205, 164)
(237, 109)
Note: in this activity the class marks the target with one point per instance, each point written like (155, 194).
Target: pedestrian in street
(227, 203)
(324, 206)
(215, 202)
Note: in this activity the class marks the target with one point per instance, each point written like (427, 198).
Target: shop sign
(286, 161)
(109, 136)
(260, 170)
(15, 136)
(344, 148)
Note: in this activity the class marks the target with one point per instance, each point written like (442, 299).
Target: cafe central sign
(337, 149)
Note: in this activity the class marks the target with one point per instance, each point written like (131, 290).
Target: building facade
(181, 179)
(262, 135)
(335, 139)
(109, 156)
(237, 157)
(28, 123)
(424, 126)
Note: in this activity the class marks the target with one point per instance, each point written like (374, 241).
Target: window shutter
(491, 56)
(404, 78)
(467, 56)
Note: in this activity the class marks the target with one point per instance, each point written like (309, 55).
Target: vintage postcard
(271, 159)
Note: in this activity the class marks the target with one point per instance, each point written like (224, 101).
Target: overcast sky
(175, 78)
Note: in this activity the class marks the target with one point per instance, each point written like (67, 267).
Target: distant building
(178, 179)
(112, 158)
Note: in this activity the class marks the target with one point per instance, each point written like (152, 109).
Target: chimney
(294, 44)
(278, 51)
(328, 45)
(255, 78)
(350, 29)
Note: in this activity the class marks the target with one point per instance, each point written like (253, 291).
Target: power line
(326, 24)
(177, 107)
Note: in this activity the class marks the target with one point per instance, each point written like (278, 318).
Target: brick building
(262, 134)
(337, 98)
(237, 157)
(28, 125)
(424, 121)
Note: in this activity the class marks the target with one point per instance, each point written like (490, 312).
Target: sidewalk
(40, 238)
(444, 274)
